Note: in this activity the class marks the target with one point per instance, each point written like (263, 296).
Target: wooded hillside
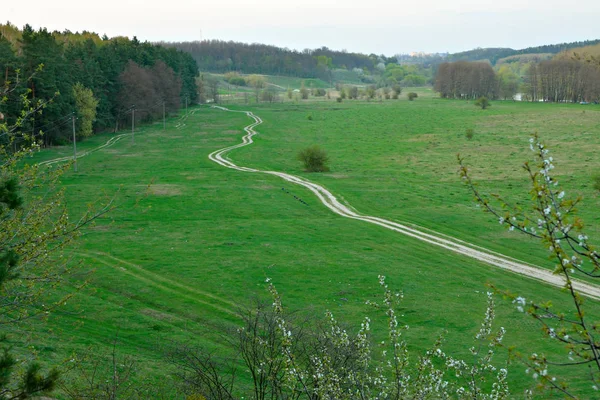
(78, 72)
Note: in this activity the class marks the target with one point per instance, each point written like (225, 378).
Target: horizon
(381, 27)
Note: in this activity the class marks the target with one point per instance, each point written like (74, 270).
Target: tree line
(466, 80)
(78, 72)
(222, 56)
(494, 54)
(564, 79)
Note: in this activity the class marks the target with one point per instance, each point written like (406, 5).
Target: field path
(108, 143)
(426, 235)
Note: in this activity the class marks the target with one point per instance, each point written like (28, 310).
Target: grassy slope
(204, 238)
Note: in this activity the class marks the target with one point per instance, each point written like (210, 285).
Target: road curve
(431, 237)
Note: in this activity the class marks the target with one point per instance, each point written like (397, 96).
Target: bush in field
(469, 133)
(304, 92)
(314, 159)
(235, 79)
(352, 92)
(411, 96)
(483, 103)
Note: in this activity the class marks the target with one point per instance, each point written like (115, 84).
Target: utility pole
(74, 143)
(164, 122)
(133, 124)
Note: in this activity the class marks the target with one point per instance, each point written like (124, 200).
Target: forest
(101, 80)
(222, 56)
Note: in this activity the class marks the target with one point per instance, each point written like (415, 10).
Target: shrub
(339, 99)
(314, 159)
(303, 92)
(234, 78)
(596, 179)
(483, 102)
(412, 95)
(469, 133)
(309, 117)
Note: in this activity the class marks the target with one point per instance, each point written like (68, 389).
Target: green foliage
(314, 159)
(469, 133)
(287, 359)
(235, 79)
(352, 92)
(551, 219)
(483, 103)
(226, 56)
(339, 99)
(411, 96)
(319, 92)
(86, 105)
(370, 92)
(303, 92)
(373, 144)
(97, 65)
(596, 182)
(509, 83)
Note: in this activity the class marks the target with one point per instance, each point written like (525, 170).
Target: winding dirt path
(431, 237)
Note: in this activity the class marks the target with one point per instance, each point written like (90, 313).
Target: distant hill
(493, 55)
(221, 57)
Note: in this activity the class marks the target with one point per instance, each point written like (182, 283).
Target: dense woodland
(466, 80)
(222, 56)
(78, 72)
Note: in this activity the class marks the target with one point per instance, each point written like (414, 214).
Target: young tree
(286, 359)
(86, 105)
(303, 91)
(258, 83)
(553, 221)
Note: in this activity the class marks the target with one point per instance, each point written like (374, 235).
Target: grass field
(177, 257)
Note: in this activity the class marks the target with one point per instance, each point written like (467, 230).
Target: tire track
(433, 238)
(108, 143)
(167, 285)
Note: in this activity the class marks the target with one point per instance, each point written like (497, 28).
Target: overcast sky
(368, 26)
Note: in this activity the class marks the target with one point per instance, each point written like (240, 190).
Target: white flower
(501, 220)
(547, 210)
(561, 195)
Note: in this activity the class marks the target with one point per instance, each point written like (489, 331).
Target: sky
(375, 26)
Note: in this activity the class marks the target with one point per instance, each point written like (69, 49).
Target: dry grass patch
(165, 190)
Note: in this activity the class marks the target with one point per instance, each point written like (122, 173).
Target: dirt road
(431, 237)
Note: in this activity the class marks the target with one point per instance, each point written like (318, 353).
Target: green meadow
(190, 241)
